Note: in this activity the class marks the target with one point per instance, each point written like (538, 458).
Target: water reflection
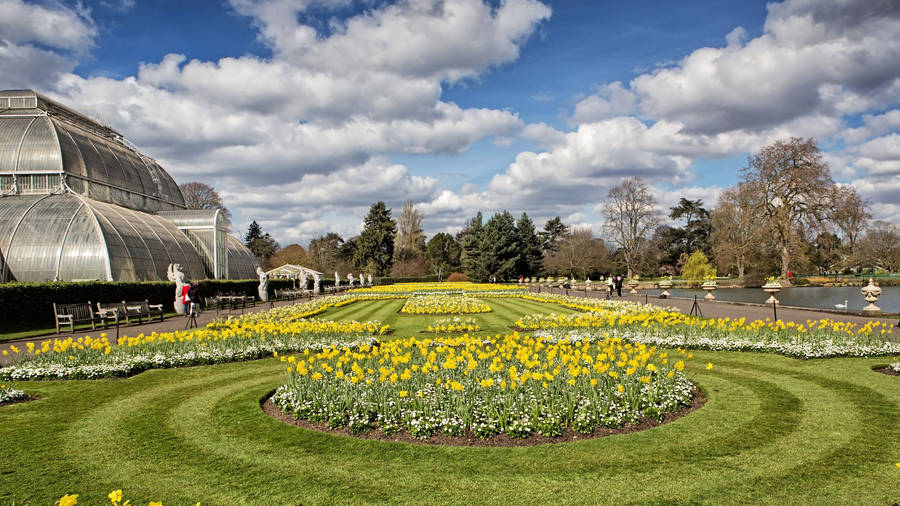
(811, 297)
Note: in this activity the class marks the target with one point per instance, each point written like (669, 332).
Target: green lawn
(498, 321)
(773, 430)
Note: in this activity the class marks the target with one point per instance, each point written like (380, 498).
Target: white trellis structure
(291, 271)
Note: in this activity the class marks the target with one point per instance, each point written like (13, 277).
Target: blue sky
(304, 112)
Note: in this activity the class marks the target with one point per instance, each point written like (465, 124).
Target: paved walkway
(170, 324)
(725, 309)
(709, 309)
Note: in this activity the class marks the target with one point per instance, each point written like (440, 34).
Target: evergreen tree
(254, 232)
(530, 259)
(472, 238)
(499, 247)
(554, 229)
(375, 245)
(261, 244)
(443, 254)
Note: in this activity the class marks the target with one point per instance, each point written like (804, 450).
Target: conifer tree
(530, 259)
(375, 245)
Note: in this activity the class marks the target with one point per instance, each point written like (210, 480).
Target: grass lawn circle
(500, 440)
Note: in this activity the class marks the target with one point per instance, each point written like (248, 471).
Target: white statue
(303, 280)
(350, 280)
(176, 275)
(263, 288)
(370, 280)
(362, 280)
(337, 280)
(316, 286)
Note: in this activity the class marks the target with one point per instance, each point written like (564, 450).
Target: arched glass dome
(68, 237)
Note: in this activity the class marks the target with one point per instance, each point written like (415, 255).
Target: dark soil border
(498, 441)
(28, 398)
(887, 370)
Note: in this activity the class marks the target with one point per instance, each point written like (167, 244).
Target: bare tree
(735, 228)
(849, 214)
(578, 253)
(881, 247)
(199, 195)
(410, 241)
(630, 216)
(793, 187)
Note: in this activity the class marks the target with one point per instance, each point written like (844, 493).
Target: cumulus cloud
(55, 26)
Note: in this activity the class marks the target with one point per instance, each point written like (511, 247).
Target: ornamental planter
(665, 284)
(871, 292)
(709, 286)
(772, 289)
(633, 284)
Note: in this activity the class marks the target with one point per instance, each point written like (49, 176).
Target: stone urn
(665, 284)
(633, 283)
(771, 288)
(709, 286)
(587, 285)
(871, 292)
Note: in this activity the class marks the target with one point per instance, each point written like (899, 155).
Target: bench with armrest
(141, 308)
(70, 314)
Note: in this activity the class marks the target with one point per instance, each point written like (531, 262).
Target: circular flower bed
(518, 386)
(443, 304)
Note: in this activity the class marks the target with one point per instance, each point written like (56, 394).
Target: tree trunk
(740, 266)
(785, 262)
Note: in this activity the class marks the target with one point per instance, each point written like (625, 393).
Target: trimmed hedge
(30, 305)
(387, 280)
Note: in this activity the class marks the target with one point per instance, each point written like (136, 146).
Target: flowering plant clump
(816, 339)
(443, 304)
(10, 394)
(454, 324)
(518, 385)
(772, 281)
(895, 367)
(115, 499)
(227, 341)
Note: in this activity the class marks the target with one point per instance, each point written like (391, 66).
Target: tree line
(785, 215)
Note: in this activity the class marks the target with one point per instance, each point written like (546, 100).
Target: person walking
(610, 285)
(619, 284)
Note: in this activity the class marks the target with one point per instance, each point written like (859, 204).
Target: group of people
(614, 284)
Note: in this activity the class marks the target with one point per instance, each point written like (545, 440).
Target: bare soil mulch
(887, 370)
(500, 440)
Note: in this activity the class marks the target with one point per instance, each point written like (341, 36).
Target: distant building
(78, 203)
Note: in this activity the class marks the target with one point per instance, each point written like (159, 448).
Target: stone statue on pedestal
(263, 288)
(176, 275)
(370, 280)
(316, 286)
(350, 280)
(337, 280)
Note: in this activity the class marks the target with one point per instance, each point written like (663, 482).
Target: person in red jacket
(186, 299)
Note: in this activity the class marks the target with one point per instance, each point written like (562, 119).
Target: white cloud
(809, 61)
(609, 101)
(56, 26)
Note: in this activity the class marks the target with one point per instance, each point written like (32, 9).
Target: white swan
(841, 306)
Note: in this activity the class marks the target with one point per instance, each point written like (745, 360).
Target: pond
(811, 297)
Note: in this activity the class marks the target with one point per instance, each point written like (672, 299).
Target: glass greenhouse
(78, 203)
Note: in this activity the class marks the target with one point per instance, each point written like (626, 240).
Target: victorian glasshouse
(78, 202)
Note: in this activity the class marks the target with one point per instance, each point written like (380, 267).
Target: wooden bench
(70, 314)
(141, 308)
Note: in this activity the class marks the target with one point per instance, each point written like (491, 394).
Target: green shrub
(697, 268)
